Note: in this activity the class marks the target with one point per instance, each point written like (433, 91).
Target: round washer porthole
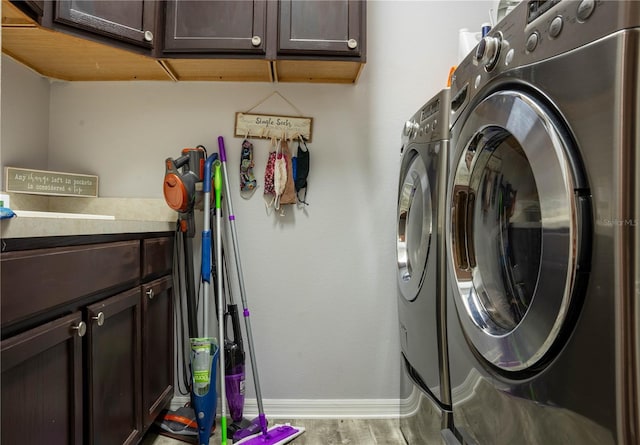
(513, 232)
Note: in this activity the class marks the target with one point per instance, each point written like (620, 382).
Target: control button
(509, 57)
(434, 124)
(532, 42)
(585, 9)
(476, 84)
(555, 27)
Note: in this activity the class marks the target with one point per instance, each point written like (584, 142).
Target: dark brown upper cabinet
(215, 26)
(321, 27)
(131, 21)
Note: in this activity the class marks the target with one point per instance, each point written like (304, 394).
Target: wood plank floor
(324, 432)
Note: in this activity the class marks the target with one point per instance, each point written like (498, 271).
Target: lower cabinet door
(157, 347)
(114, 380)
(42, 384)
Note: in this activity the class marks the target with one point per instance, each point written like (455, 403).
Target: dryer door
(414, 224)
(516, 237)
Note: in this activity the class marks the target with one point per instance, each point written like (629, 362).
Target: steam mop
(204, 350)
(223, 409)
(277, 434)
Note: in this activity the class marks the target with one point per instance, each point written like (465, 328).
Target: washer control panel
(536, 30)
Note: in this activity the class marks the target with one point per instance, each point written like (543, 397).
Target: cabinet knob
(80, 328)
(256, 40)
(352, 43)
(150, 294)
(148, 36)
(99, 318)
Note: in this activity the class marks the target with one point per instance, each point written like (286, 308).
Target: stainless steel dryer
(541, 239)
(421, 273)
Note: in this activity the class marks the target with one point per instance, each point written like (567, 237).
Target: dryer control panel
(431, 122)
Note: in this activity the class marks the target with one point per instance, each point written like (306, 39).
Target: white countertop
(29, 227)
(69, 216)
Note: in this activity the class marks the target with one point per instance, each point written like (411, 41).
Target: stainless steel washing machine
(541, 237)
(421, 274)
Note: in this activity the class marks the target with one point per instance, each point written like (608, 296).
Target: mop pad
(278, 434)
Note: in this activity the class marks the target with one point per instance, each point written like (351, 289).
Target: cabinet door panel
(114, 369)
(127, 20)
(215, 26)
(42, 385)
(157, 347)
(322, 27)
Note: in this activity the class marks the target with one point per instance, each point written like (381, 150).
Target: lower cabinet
(101, 371)
(42, 384)
(114, 369)
(157, 348)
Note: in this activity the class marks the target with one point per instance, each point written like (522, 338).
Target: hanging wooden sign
(41, 182)
(269, 126)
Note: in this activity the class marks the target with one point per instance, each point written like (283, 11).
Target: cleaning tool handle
(223, 427)
(232, 312)
(221, 150)
(217, 182)
(206, 186)
(205, 270)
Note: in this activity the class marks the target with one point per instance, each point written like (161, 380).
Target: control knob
(410, 127)
(488, 51)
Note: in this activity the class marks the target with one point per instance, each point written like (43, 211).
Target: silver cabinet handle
(150, 294)
(148, 36)
(256, 40)
(80, 328)
(352, 43)
(99, 318)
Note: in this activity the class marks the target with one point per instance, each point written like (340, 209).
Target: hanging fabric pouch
(302, 171)
(289, 192)
(248, 182)
(269, 188)
(279, 174)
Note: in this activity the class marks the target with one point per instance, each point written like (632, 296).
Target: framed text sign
(42, 182)
(272, 126)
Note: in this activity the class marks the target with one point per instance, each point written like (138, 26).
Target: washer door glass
(414, 226)
(513, 233)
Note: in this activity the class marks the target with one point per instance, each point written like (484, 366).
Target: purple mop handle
(223, 158)
(221, 150)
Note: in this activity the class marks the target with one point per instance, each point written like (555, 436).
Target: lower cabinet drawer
(34, 281)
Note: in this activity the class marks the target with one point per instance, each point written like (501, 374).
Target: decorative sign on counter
(271, 126)
(42, 182)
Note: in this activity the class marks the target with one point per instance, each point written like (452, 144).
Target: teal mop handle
(243, 293)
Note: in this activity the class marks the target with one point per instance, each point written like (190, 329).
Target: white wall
(320, 281)
(25, 118)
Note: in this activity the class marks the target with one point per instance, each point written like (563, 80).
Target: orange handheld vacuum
(179, 188)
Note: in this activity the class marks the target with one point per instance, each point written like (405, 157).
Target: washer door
(414, 226)
(514, 234)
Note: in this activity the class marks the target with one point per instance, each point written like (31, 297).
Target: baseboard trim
(316, 408)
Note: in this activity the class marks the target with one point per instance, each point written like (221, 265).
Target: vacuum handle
(232, 313)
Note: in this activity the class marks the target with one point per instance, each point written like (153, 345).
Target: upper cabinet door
(131, 21)
(215, 26)
(322, 27)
